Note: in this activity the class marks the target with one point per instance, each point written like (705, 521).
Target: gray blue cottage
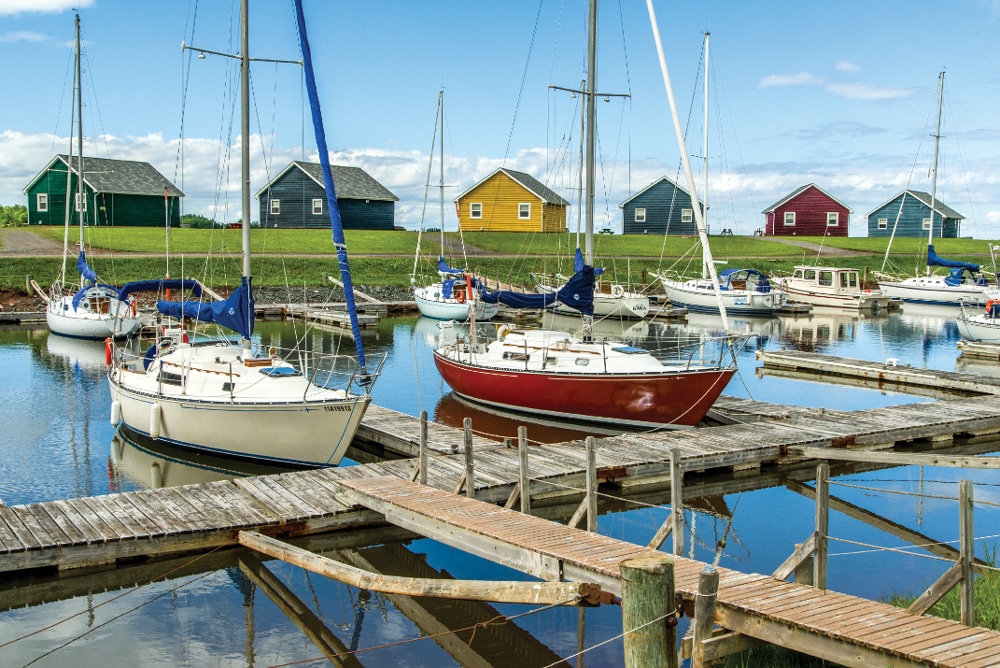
(296, 198)
(915, 217)
(662, 207)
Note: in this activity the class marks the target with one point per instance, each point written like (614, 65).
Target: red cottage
(807, 212)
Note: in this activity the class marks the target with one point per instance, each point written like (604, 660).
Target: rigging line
(524, 77)
(611, 639)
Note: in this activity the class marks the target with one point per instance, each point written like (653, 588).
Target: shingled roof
(118, 177)
(349, 182)
(529, 182)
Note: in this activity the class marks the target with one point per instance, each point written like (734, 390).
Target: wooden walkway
(833, 626)
(886, 373)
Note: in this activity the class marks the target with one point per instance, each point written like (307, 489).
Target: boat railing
(336, 371)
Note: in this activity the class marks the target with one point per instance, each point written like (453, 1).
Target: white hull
(934, 290)
(619, 304)
(208, 400)
(699, 296)
(96, 317)
(433, 305)
(836, 287)
(979, 328)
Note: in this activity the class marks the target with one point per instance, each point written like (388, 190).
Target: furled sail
(578, 293)
(933, 260)
(235, 313)
(85, 270)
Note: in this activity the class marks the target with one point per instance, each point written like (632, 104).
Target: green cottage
(117, 192)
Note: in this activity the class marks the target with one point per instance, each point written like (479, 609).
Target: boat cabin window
(580, 361)
(168, 378)
(826, 278)
(275, 207)
(517, 357)
(797, 273)
(318, 206)
(849, 279)
(809, 274)
(687, 215)
(42, 202)
(524, 210)
(640, 215)
(832, 218)
(475, 209)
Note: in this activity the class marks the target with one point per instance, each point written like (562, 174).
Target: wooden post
(704, 614)
(677, 500)
(822, 524)
(647, 612)
(967, 550)
(522, 456)
(423, 448)
(591, 485)
(470, 474)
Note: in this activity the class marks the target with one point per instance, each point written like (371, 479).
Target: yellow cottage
(509, 201)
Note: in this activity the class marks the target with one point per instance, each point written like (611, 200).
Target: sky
(843, 95)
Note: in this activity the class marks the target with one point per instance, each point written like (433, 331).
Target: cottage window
(687, 215)
(640, 215)
(42, 201)
(275, 207)
(789, 218)
(318, 207)
(475, 210)
(883, 223)
(927, 223)
(832, 218)
(76, 203)
(524, 211)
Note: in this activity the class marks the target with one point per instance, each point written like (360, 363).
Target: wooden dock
(836, 627)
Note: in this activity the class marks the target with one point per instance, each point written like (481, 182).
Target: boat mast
(441, 154)
(245, 143)
(79, 139)
(591, 91)
(704, 152)
(937, 141)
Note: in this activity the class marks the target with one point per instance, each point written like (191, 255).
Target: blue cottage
(296, 198)
(914, 220)
(662, 207)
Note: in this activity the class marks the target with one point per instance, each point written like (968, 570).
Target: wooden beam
(822, 525)
(941, 586)
(662, 533)
(677, 500)
(535, 593)
(968, 552)
(802, 552)
(896, 458)
(704, 615)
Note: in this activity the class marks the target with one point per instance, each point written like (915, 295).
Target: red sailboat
(579, 378)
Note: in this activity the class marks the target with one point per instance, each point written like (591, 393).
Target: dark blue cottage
(296, 198)
(915, 218)
(662, 207)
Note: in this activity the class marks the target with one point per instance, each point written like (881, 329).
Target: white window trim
(317, 206)
(275, 207)
(883, 223)
(789, 215)
(42, 201)
(687, 215)
(926, 224)
(520, 209)
(832, 216)
(476, 210)
(76, 201)
(640, 215)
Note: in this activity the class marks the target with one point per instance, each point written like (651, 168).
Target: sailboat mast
(79, 138)
(441, 154)
(245, 142)
(704, 152)
(937, 141)
(591, 158)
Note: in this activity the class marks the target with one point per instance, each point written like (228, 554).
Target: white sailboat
(964, 283)
(240, 400)
(744, 291)
(577, 377)
(452, 296)
(89, 310)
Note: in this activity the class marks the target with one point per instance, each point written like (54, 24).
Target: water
(57, 443)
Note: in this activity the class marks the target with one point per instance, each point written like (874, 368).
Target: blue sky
(837, 94)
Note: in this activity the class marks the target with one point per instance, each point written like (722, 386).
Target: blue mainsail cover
(934, 261)
(85, 270)
(579, 263)
(578, 293)
(236, 312)
(159, 285)
(445, 269)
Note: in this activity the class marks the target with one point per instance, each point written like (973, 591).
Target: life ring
(617, 290)
(107, 351)
(460, 296)
(503, 331)
(993, 308)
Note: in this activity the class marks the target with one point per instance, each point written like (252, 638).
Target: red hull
(673, 398)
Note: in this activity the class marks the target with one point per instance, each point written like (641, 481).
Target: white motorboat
(839, 287)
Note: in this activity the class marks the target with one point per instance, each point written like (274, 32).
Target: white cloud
(798, 79)
(23, 36)
(862, 91)
(41, 6)
(845, 66)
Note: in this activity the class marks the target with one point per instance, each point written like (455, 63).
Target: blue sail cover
(727, 276)
(235, 313)
(578, 293)
(159, 285)
(579, 264)
(331, 196)
(85, 270)
(445, 269)
(934, 261)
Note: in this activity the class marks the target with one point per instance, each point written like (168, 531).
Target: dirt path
(25, 242)
(820, 249)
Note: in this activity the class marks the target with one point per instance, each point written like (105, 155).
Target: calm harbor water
(57, 443)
